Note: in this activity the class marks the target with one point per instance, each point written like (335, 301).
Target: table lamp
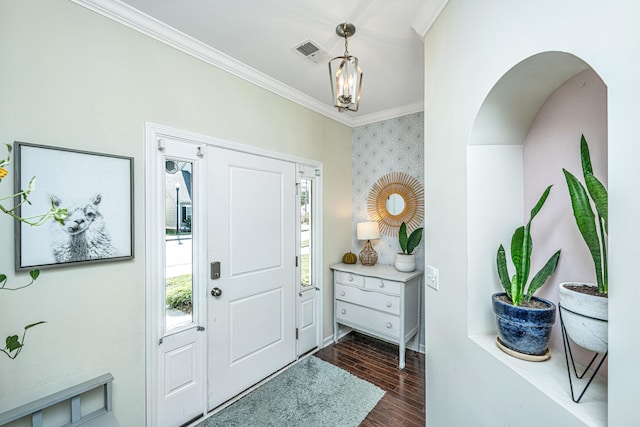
(367, 231)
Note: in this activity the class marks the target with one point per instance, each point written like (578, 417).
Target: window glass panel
(178, 284)
(305, 230)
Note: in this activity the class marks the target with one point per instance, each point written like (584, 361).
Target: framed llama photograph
(94, 190)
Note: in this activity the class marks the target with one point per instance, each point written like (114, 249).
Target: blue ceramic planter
(525, 330)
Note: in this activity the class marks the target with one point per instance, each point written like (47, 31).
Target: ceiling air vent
(312, 51)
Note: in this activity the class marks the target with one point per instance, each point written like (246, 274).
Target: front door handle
(216, 292)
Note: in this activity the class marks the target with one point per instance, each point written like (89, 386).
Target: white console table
(377, 300)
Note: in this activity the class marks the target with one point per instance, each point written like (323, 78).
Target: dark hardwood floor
(377, 362)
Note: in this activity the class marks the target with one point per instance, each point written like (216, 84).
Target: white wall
(71, 78)
(470, 47)
(496, 193)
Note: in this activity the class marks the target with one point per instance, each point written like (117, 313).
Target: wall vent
(312, 51)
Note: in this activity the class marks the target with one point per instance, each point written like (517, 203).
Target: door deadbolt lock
(215, 270)
(216, 292)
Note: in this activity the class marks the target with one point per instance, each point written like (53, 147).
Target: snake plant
(593, 228)
(521, 249)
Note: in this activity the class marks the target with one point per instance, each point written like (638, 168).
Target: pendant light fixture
(345, 74)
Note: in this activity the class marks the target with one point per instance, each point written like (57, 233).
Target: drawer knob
(343, 311)
(343, 293)
(389, 304)
(381, 284)
(350, 278)
(389, 325)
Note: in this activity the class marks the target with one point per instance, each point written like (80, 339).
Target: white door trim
(153, 133)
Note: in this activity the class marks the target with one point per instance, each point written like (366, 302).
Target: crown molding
(145, 24)
(391, 113)
(427, 16)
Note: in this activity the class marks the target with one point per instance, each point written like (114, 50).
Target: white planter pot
(591, 332)
(406, 263)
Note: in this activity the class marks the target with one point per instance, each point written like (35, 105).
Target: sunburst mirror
(396, 198)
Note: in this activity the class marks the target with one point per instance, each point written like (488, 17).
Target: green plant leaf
(414, 240)
(3, 277)
(32, 186)
(60, 214)
(527, 250)
(541, 201)
(34, 274)
(402, 237)
(34, 324)
(503, 272)
(516, 246)
(586, 221)
(542, 276)
(516, 293)
(600, 198)
(12, 343)
(520, 262)
(585, 158)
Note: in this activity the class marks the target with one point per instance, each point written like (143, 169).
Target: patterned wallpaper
(377, 149)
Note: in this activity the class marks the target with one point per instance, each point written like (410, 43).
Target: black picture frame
(98, 191)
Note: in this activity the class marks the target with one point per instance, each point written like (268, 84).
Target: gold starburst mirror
(396, 198)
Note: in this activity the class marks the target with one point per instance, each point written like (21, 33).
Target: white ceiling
(254, 39)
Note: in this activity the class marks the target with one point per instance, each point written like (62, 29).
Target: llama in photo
(84, 235)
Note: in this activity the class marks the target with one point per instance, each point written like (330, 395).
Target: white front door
(176, 284)
(251, 234)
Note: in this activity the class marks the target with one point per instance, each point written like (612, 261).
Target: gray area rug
(310, 393)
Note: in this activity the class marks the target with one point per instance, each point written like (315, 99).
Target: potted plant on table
(584, 306)
(524, 321)
(406, 260)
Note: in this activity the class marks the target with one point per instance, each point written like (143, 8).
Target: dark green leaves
(414, 239)
(408, 244)
(592, 228)
(13, 344)
(542, 276)
(538, 205)
(402, 237)
(503, 272)
(521, 250)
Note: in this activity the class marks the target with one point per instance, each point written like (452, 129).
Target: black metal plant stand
(568, 355)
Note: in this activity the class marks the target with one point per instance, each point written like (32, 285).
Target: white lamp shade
(367, 231)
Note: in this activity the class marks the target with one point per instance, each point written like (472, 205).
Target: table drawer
(377, 300)
(382, 285)
(349, 278)
(382, 323)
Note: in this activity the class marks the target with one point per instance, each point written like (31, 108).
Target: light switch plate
(433, 277)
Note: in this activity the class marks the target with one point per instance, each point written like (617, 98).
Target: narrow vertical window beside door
(305, 232)
(307, 298)
(178, 284)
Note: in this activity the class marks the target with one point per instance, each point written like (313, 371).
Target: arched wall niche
(514, 101)
(498, 192)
